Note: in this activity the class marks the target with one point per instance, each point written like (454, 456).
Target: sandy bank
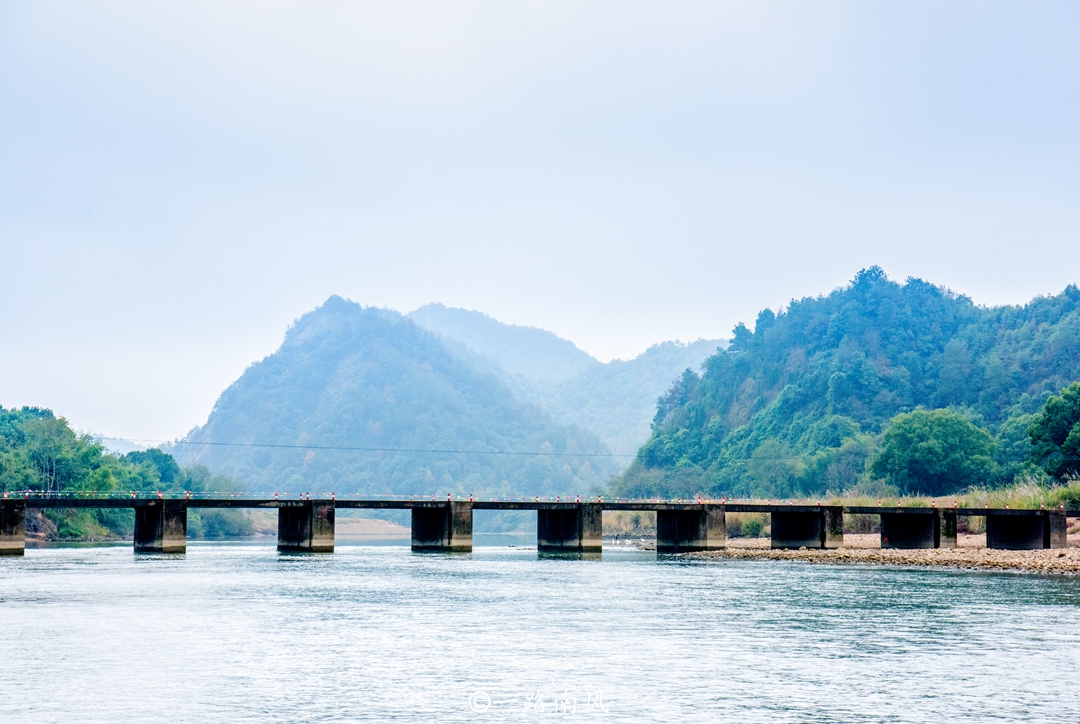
(970, 553)
(345, 528)
(368, 528)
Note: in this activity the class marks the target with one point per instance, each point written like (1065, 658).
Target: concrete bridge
(307, 526)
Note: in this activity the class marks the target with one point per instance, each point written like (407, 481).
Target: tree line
(41, 452)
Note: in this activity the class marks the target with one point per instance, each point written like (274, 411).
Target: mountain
(347, 376)
(797, 406)
(616, 400)
(532, 353)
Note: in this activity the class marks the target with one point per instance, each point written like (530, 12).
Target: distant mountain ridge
(533, 353)
(349, 376)
(616, 400)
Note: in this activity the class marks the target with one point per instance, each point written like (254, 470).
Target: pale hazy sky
(179, 181)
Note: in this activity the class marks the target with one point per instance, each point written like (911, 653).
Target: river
(236, 632)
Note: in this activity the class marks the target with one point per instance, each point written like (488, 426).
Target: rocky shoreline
(970, 554)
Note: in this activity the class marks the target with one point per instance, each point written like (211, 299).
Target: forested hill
(348, 376)
(797, 405)
(616, 399)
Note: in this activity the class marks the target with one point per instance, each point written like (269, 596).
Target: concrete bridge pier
(702, 528)
(918, 528)
(808, 527)
(443, 527)
(1025, 530)
(579, 529)
(1057, 529)
(12, 527)
(160, 526)
(306, 526)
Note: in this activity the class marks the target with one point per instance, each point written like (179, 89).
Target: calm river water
(236, 632)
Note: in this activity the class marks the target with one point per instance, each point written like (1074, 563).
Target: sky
(181, 181)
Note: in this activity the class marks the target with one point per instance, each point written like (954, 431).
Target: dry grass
(629, 524)
(1028, 493)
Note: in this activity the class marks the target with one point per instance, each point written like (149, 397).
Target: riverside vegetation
(39, 451)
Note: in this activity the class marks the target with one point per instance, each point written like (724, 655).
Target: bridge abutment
(160, 526)
(443, 528)
(579, 529)
(818, 527)
(306, 526)
(12, 527)
(703, 528)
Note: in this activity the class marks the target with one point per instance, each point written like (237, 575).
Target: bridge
(307, 526)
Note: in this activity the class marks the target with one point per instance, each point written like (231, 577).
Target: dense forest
(426, 420)
(39, 451)
(803, 403)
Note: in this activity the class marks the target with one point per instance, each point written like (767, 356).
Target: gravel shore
(971, 553)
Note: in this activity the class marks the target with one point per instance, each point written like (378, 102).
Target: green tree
(934, 452)
(1014, 447)
(1055, 434)
(168, 471)
(772, 470)
(52, 449)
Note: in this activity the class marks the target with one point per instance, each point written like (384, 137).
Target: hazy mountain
(348, 376)
(616, 400)
(535, 354)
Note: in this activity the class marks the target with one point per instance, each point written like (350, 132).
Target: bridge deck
(632, 505)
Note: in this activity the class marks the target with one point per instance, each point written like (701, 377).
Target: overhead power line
(378, 449)
(348, 448)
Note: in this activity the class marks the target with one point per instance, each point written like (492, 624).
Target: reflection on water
(235, 632)
(79, 544)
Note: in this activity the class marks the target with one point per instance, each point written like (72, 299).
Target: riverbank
(971, 553)
(369, 529)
